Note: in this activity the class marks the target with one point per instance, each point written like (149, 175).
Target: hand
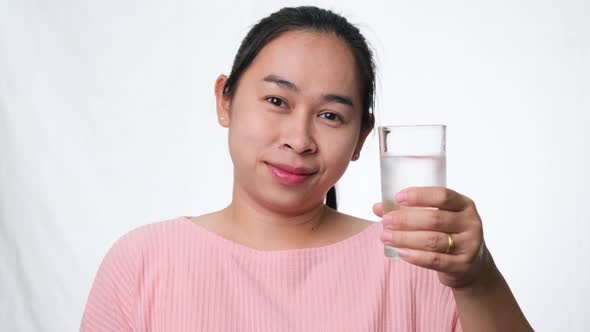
(422, 235)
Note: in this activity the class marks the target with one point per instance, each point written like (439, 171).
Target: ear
(222, 101)
(359, 145)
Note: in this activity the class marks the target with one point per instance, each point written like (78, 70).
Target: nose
(298, 136)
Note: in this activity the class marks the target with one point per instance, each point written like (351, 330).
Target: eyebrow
(281, 82)
(330, 97)
(338, 99)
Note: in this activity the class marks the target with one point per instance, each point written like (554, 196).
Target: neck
(250, 223)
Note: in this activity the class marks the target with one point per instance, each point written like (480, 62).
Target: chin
(289, 202)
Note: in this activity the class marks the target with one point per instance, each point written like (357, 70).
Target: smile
(290, 175)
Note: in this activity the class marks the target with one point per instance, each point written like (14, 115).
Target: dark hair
(309, 18)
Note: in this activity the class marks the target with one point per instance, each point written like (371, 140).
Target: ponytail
(331, 198)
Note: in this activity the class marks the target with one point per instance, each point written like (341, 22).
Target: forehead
(316, 62)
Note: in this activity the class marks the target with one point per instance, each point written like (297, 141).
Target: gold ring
(451, 243)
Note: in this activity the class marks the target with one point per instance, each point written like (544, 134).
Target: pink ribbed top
(177, 276)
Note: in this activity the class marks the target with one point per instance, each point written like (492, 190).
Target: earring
(221, 118)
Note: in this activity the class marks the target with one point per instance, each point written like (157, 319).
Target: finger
(420, 240)
(422, 219)
(438, 197)
(378, 209)
(430, 260)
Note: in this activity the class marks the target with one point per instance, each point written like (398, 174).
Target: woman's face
(294, 120)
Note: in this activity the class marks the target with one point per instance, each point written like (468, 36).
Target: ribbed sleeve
(177, 276)
(112, 297)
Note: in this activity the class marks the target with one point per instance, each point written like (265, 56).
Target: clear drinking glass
(411, 156)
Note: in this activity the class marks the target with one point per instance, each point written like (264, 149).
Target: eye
(276, 101)
(331, 116)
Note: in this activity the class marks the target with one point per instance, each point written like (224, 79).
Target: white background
(107, 122)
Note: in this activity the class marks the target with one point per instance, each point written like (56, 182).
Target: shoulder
(147, 239)
(132, 256)
(144, 249)
(152, 231)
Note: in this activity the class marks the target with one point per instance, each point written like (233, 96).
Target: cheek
(337, 153)
(248, 136)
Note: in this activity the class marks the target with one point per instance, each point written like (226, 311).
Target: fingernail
(386, 236)
(387, 219)
(401, 197)
(403, 252)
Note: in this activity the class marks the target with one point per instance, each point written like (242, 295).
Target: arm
(488, 304)
(108, 305)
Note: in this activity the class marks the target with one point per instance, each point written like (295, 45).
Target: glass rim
(412, 126)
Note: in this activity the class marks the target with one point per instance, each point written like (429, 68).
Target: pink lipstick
(290, 175)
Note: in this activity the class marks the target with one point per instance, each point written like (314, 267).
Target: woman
(298, 107)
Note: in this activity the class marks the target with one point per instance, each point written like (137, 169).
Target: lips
(291, 175)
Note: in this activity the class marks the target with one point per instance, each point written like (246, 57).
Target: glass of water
(411, 156)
